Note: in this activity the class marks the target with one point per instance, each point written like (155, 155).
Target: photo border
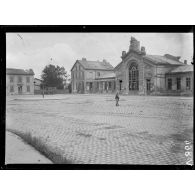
(78, 29)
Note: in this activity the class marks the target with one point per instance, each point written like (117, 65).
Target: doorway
(120, 84)
(19, 89)
(90, 86)
(148, 86)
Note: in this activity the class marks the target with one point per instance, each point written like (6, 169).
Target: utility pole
(43, 90)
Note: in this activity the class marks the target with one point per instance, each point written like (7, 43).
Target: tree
(54, 76)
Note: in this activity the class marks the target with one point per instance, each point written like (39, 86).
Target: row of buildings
(138, 73)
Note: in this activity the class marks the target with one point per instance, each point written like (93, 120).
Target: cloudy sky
(34, 50)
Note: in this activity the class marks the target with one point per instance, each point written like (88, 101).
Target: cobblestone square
(90, 129)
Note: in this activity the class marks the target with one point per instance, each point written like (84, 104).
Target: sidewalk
(18, 152)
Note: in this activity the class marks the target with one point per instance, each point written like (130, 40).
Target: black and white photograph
(99, 98)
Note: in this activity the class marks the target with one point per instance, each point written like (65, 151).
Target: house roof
(14, 71)
(96, 65)
(166, 59)
(108, 75)
(182, 69)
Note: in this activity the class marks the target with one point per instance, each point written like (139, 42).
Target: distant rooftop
(97, 65)
(38, 79)
(14, 71)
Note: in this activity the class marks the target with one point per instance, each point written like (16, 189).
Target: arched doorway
(133, 77)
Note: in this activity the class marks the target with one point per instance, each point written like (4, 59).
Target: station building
(138, 73)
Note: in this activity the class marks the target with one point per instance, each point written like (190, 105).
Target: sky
(35, 50)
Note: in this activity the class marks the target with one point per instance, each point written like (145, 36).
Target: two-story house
(19, 81)
(92, 76)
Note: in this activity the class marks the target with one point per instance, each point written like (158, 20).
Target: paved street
(91, 129)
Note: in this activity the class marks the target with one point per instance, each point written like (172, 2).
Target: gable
(77, 66)
(131, 56)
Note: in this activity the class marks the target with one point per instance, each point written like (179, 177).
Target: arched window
(133, 77)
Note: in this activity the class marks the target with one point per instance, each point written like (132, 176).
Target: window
(133, 77)
(188, 81)
(169, 84)
(19, 79)
(28, 88)
(11, 88)
(98, 74)
(28, 79)
(178, 83)
(90, 75)
(109, 85)
(11, 79)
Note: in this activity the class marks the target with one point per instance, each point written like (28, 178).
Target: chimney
(123, 53)
(84, 59)
(143, 50)
(30, 71)
(185, 61)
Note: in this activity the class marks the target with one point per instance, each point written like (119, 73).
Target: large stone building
(19, 81)
(138, 73)
(141, 73)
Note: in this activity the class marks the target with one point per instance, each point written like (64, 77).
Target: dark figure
(117, 99)
(43, 93)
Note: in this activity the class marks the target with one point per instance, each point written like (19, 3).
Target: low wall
(57, 91)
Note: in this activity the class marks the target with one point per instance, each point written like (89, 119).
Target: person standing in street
(117, 98)
(43, 92)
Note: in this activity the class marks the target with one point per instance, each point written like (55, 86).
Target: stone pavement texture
(90, 129)
(19, 152)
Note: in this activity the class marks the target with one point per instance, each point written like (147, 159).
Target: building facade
(92, 76)
(143, 74)
(179, 81)
(37, 84)
(19, 81)
(137, 74)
